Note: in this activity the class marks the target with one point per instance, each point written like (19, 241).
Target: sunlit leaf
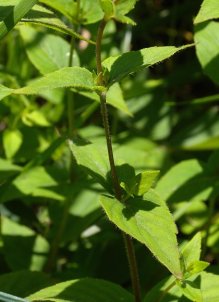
(149, 221)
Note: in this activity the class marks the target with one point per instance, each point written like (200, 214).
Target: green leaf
(123, 7)
(68, 8)
(90, 11)
(188, 181)
(149, 221)
(191, 291)
(178, 175)
(4, 92)
(11, 15)
(94, 160)
(207, 45)
(141, 183)
(192, 251)
(200, 134)
(196, 268)
(83, 290)
(23, 283)
(124, 19)
(35, 117)
(7, 169)
(30, 180)
(121, 66)
(30, 248)
(207, 282)
(12, 140)
(108, 8)
(209, 10)
(114, 97)
(66, 77)
(46, 52)
(39, 15)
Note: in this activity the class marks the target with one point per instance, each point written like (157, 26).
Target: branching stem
(104, 112)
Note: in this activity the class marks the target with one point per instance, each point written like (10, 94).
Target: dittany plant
(131, 196)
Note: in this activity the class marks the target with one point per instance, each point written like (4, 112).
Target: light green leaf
(149, 221)
(207, 282)
(190, 256)
(207, 45)
(47, 52)
(30, 180)
(124, 19)
(94, 160)
(190, 291)
(4, 91)
(90, 11)
(177, 176)
(108, 8)
(11, 16)
(118, 67)
(68, 8)
(115, 98)
(196, 268)
(192, 251)
(12, 140)
(66, 77)
(141, 183)
(209, 10)
(144, 182)
(35, 118)
(83, 290)
(123, 7)
(39, 15)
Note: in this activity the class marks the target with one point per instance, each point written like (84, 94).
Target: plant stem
(165, 292)
(104, 112)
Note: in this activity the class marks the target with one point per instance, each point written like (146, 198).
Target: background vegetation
(164, 118)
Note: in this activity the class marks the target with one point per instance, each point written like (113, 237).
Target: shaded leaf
(46, 52)
(120, 66)
(149, 221)
(39, 15)
(7, 169)
(23, 283)
(93, 158)
(30, 248)
(12, 14)
(81, 290)
(68, 8)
